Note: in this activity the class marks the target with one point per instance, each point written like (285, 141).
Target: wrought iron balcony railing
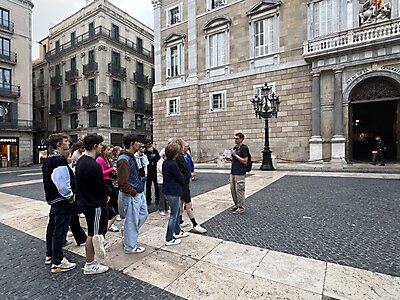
(118, 102)
(55, 109)
(71, 105)
(40, 81)
(372, 34)
(8, 57)
(10, 91)
(71, 75)
(139, 78)
(90, 68)
(97, 33)
(6, 25)
(117, 71)
(56, 81)
(90, 101)
(19, 124)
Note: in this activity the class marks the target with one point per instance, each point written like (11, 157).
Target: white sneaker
(64, 266)
(113, 228)
(69, 233)
(94, 268)
(173, 242)
(185, 224)
(181, 234)
(81, 215)
(136, 250)
(161, 212)
(118, 218)
(98, 245)
(199, 229)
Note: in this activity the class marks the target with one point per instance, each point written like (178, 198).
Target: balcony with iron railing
(117, 70)
(55, 109)
(39, 104)
(39, 126)
(141, 107)
(90, 101)
(56, 81)
(98, 33)
(349, 40)
(118, 102)
(19, 124)
(71, 105)
(40, 81)
(8, 57)
(71, 75)
(6, 26)
(10, 91)
(90, 68)
(140, 79)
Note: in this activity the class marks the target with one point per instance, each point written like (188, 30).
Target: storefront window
(9, 152)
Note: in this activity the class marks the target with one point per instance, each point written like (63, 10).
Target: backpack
(249, 163)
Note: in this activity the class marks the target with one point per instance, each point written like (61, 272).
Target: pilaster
(157, 41)
(192, 40)
(338, 141)
(315, 141)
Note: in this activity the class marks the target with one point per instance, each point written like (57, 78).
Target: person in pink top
(104, 160)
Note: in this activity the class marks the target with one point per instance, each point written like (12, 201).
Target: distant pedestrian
(141, 161)
(78, 152)
(239, 155)
(131, 186)
(163, 207)
(380, 149)
(152, 157)
(58, 181)
(93, 196)
(189, 161)
(172, 189)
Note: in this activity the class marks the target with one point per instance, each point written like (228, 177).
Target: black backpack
(249, 163)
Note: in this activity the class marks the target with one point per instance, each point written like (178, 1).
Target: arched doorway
(374, 110)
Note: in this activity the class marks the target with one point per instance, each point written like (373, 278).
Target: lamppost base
(267, 161)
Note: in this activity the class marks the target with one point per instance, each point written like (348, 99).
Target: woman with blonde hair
(186, 199)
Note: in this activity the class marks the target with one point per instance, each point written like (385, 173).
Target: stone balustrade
(373, 33)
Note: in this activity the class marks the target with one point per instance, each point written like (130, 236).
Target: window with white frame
(174, 60)
(264, 36)
(217, 101)
(217, 49)
(326, 17)
(213, 4)
(173, 106)
(174, 15)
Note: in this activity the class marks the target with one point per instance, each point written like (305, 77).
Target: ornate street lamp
(266, 105)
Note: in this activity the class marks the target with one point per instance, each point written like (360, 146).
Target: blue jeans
(173, 222)
(135, 210)
(59, 220)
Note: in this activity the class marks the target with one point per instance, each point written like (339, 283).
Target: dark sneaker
(233, 208)
(64, 266)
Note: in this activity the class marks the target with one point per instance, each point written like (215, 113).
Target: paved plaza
(304, 235)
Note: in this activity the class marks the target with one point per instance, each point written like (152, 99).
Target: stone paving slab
(24, 275)
(350, 222)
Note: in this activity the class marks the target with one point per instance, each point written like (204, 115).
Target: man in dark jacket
(152, 156)
(380, 148)
(93, 195)
(58, 180)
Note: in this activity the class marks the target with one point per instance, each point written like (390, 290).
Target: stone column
(192, 40)
(338, 141)
(157, 41)
(316, 139)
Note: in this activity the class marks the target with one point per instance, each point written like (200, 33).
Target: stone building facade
(211, 55)
(16, 122)
(100, 71)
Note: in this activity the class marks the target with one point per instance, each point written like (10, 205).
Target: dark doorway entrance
(370, 119)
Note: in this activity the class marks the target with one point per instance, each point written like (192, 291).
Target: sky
(48, 13)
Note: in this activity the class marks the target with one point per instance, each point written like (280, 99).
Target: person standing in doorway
(58, 180)
(239, 155)
(380, 148)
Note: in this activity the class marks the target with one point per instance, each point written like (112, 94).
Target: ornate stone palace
(334, 64)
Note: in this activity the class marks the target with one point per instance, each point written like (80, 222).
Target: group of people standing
(104, 183)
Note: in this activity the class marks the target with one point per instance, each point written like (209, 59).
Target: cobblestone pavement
(348, 221)
(25, 276)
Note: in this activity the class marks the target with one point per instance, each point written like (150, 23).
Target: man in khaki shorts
(239, 154)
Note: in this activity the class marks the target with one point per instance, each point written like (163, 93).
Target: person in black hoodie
(93, 196)
(152, 156)
(58, 181)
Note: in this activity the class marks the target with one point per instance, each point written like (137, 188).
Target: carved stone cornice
(156, 3)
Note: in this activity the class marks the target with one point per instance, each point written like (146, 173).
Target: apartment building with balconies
(101, 72)
(334, 64)
(16, 122)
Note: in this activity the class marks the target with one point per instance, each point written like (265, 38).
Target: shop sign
(9, 140)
